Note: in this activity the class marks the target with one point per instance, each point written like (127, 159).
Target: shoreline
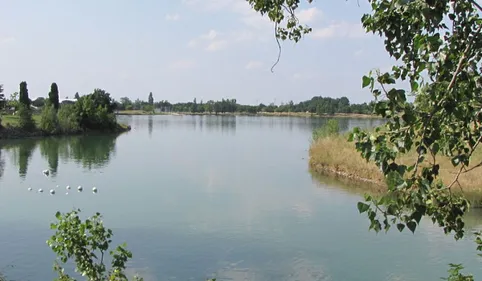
(334, 157)
(273, 114)
(8, 133)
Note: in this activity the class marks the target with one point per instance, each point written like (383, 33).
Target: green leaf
(362, 207)
(400, 227)
(366, 81)
(412, 225)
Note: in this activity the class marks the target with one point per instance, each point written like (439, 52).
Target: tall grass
(330, 128)
(334, 154)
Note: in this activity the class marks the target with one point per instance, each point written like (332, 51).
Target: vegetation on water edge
(317, 106)
(332, 153)
(93, 112)
(274, 114)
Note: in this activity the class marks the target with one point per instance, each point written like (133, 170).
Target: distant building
(67, 101)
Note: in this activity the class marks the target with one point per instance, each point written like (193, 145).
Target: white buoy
(52, 191)
(79, 188)
(29, 189)
(94, 189)
(40, 190)
(68, 187)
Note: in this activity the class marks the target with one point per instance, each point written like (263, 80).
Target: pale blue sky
(181, 49)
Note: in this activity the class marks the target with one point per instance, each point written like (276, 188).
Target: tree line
(94, 111)
(317, 105)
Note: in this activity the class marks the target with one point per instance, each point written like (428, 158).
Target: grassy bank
(334, 155)
(10, 129)
(290, 114)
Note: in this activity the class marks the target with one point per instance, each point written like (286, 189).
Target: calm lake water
(197, 197)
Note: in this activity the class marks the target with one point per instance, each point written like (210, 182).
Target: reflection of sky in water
(226, 197)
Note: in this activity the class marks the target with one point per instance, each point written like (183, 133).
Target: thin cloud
(211, 41)
(339, 30)
(309, 15)
(217, 45)
(254, 65)
(183, 64)
(173, 17)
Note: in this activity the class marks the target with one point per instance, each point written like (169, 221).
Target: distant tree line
(317, 105)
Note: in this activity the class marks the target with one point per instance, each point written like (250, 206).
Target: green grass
(12, 120)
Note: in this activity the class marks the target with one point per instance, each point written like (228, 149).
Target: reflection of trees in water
(2, 163)
(89, 151)
(23, 151)
(92, 151)
(219, 123)
(150, 125)
(472, 219)
(49, 149)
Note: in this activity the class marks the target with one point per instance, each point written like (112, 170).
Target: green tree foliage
(76, 96)
(87, 243)
(103, 99)
(39, 102)
(13, 102)
(23, 95)
(438, 48)
(49, 122)
(67, 119)
(150, 99)
(95, 111)
(54, 96)
(25, 120)
(317, 105)
(3, 101)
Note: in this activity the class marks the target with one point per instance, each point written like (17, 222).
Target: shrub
(86, 243)
(26, 121)
(49, 122)
(68, 119)
(330, 128)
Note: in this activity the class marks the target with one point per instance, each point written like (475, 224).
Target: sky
(185, 49)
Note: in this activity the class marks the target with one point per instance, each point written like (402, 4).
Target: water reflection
(227, 124)
(91, 152)
(2, 164)
(150, 125)
(473, 219)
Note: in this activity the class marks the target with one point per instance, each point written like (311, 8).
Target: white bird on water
(68, 187)
(94, 189)
(29, 189)
(46, 172)
(40, 190)
(52, 192)
(79, 188)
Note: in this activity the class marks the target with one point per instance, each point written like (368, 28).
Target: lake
(197, 197)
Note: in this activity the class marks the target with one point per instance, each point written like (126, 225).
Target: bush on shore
(330, 128)
(26, 121)
(49, 122)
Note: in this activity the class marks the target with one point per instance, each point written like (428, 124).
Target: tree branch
(450, 87)
(476, 5)
(463, 165)
(279, 46)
